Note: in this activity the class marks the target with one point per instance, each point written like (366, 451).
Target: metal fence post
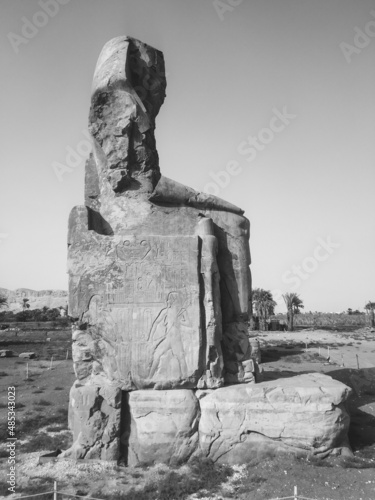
(55, 490)
(295, 493)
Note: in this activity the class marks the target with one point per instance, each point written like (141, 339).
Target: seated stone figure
(159, 285)
(143, 240)
(159, 277)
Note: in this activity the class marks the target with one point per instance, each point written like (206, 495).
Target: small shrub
(4, 488)
(35, 422)
(43, 366)
(58, 388)
(43, 484)
(173, 485)
(3, 431)
(43, 441)
(56, 428)
(3, 374)
(63, 412)
(82, 493)
(294, 359)
(43, 402)
(320, 462)
(136, 475)
(38, 391)
(356, 463)
(251, 483)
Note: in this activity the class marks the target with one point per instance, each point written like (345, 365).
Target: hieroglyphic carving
(154, 310)
(152, 268)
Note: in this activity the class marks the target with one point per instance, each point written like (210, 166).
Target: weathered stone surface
(27, 355)
(109, 270)
(172, 192)
(212, 375)
(144, 315)
(94, 418)
(159, 278)
(159, 273)
(128, 90)
(164, 426)
(232, 232)
(83, 349)
(304, 414)
(159, 284)
(363, 381)
(255, 350)
(6, 353)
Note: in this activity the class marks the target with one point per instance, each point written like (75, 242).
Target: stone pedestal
(95, 419)
(304, 414)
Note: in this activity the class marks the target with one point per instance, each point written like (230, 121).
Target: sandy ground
(345, 349)
(284, 354)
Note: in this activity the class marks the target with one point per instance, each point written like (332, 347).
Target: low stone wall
(46, 341)
(328, 321)
(34, 325)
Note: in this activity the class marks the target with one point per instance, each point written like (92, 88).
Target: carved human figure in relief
(167, 331)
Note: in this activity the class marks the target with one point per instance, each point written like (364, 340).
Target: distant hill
(37, 298)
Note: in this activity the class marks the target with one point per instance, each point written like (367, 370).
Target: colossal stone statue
(159, 282)
(158, 272)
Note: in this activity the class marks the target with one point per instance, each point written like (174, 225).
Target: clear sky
(280, 93)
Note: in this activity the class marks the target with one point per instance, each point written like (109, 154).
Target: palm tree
(370, 309)
(263, 305)
(3, 301)
(293, 304)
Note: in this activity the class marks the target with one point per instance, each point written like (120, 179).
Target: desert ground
(41, 427)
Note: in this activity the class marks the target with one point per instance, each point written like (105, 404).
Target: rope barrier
(36, 371)
(292, 498)
(59, 493)
(38, 494)
(56, 492)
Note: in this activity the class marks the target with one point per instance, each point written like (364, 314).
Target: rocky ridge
(37, 299)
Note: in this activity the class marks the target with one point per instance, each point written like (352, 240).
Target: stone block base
(302, 415)
(94, 418)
